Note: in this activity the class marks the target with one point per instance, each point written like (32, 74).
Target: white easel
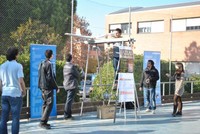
(135, 97)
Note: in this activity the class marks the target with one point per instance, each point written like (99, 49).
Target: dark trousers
(115, 64)
(68, 103)
(47, 96)
(177, 104)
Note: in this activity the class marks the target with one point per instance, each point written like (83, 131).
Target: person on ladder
(116, 34)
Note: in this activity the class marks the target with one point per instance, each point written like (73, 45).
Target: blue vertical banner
(155, 56)
(37, 55)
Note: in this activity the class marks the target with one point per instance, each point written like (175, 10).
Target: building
(174, 30)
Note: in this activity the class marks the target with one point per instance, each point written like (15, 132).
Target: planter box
(106, 112)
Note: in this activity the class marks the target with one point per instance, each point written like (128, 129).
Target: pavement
(146, 123)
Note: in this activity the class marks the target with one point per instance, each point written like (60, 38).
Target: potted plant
(102, 91)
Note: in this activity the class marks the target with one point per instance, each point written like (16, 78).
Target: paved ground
(160, 123)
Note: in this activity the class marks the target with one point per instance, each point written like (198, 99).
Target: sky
(94, 11)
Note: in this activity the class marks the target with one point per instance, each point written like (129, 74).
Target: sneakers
(45, 126)
(148, 110)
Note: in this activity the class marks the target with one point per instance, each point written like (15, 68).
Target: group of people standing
(148, 82)
(149, 79)
(13, 87)
(47, 83)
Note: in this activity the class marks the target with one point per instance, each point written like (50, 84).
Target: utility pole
(72, 21)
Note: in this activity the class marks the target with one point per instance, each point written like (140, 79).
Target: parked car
(88, 86)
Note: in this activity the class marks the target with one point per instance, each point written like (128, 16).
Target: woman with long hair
(179, 89)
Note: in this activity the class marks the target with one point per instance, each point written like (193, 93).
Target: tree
(107, 76)
(34, 32)
(79, 47)
(54, 13)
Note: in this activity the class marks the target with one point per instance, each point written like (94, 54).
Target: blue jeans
(150, 97)
(13, 104)
(115, 64)
(68, 103)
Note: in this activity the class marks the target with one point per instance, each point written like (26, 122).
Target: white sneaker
(153, 112)
(148, 110)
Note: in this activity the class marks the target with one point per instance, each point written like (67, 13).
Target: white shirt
(10, 72)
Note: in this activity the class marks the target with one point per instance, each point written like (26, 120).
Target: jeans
(13, 105)
(115, 64)
(47, 96)
(150, 97)
(68, 103)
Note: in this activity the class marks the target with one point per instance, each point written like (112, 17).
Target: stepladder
(124, 82)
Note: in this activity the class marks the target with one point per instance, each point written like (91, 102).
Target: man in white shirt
(13, 88)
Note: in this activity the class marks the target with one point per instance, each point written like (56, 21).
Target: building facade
(174, 30)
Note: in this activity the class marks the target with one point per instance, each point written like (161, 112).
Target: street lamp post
(170, 55)
(72, 18)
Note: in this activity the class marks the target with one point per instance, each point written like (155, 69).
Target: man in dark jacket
(70, 83)
(149, 78)
(47, 84)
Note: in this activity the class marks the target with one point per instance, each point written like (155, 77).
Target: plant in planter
(104, 92)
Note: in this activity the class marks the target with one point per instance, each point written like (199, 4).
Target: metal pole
(98, 69)
(170, 55)
(129, 31)
(72, 18)
(85, 79)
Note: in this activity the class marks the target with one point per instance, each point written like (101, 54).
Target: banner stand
(37, 55)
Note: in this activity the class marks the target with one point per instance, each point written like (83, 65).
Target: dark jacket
(152, 75)
(71, 76)
(46, 76)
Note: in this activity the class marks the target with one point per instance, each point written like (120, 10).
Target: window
(189, 24)
(151, 27)
(144, 27)
(124, 27)
(178, 25)
(193, 24)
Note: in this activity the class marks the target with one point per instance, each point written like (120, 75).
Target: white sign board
(126, 86)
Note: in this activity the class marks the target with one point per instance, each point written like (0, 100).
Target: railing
(162, 85)
(91, 106)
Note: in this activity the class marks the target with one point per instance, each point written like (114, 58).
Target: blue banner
(37, 55)
(155, 56)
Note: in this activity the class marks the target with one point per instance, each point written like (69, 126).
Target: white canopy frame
(92, 41)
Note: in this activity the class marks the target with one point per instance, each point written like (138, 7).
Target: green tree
(54, 13)
(34, 32)
(106, 77)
